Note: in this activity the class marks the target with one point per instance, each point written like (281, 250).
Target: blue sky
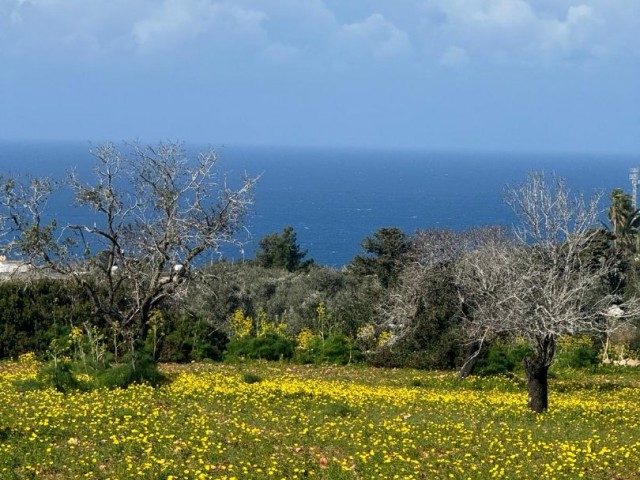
(508, 75)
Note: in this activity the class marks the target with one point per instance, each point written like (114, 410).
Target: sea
(335, 197)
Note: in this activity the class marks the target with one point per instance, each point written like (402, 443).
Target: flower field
(283, 421)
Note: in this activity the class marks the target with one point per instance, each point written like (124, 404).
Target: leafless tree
(545, 284)
(157, 213)
(430, 260)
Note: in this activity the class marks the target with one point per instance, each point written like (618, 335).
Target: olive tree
(149, 215)
(545, 283)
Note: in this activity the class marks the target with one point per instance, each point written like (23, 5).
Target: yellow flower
(240, 324)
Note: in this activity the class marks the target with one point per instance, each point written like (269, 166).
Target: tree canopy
(281, 250)
(383, 253)
(158, 212)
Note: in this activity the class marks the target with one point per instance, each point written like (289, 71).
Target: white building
(12, 266)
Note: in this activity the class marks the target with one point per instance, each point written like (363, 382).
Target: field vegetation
(264, 420)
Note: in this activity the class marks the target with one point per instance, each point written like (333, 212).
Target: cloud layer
(514, 74)
(450, 33)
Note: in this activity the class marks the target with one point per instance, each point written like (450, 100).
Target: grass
(322, 422)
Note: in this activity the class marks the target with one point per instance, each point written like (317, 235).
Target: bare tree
(427, 278)
(546, 283)
(157, 214)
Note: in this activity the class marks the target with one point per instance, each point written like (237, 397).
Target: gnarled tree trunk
(537, 383)
(468, 367)
(471, 361)
(537, 370)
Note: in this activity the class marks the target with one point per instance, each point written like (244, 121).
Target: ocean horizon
(335, 197)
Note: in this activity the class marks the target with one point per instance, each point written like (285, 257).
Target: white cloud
(180, 21)
(528, 31)
(66, 28)
(575, 35)
(296, 29)
(513, 31)
(116, 27)
(503, 13)
(374, 36)
(294, 18)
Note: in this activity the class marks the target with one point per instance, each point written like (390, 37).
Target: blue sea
(334, 198)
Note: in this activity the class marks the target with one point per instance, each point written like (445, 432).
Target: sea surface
(334, 198)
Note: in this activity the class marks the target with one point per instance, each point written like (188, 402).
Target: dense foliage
(309, 315)
(33, 314)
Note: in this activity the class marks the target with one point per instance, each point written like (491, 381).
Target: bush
(29, 385)
(435, 339)
(251, 378)
(34, 313)
(185, 338)
(61, 376)
(337, 349)
(269, 346)
(577, 353)
(66, 376)
(501, 359)
(138, 367)
(416, 382)
(498, 361)
(290, 297)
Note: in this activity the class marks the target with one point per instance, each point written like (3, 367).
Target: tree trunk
(537, 381)
(144, 327)
(469, 365)
(537, 369)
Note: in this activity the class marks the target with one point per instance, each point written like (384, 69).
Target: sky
(491, 75)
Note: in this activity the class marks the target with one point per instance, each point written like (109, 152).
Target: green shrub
(66, 376)
(577, 353)
(502, 358)
(269, 346)
(336, 348)
(138, 367)
(175, 348)
(251, 378)
(32, 314)
(61, 376)
(416, 382)
(185, 338)
(498, 361)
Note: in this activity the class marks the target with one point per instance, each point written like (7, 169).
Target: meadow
(281, 421)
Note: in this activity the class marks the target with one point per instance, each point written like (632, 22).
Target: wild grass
(326, 422)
